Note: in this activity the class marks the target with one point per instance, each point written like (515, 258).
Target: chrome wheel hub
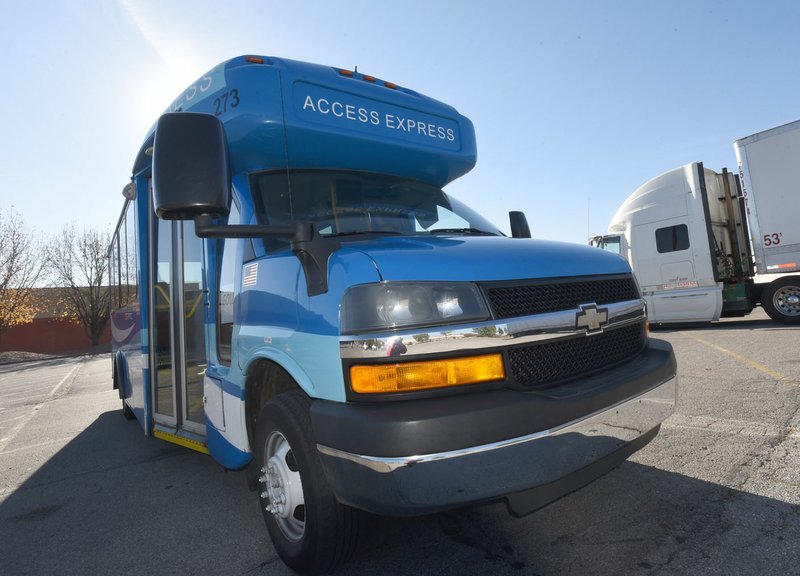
(283, 489)
(787, 300)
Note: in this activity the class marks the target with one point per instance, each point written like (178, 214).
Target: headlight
(403, 305)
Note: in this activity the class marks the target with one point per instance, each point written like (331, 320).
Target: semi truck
(295, 295)
(705, 244)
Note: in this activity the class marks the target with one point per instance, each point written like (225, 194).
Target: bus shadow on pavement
(114, 501)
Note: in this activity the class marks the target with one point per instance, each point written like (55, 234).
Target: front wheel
(311, 531)
(781, 300)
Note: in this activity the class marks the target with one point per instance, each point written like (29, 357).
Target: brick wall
(48, 336)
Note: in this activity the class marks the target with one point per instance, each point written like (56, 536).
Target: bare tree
(21, 267)
(79, 265)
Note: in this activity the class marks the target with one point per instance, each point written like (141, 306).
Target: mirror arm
(311, 249)
(205, 228)
(519, 225)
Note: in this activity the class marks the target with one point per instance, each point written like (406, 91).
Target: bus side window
(227, 275)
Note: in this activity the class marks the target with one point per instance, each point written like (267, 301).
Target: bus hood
(484, 258)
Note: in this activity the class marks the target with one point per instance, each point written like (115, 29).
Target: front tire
(311, 531)
(781, 300)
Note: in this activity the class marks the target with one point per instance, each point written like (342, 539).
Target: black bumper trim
(428, 426)
(529, 501)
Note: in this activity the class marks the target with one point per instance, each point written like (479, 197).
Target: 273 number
(226, 101)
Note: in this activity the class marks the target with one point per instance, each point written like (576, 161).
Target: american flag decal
(250, 275)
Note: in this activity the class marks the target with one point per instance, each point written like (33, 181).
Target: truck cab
(685, 236)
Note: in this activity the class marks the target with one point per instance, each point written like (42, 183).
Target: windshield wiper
(476, 231)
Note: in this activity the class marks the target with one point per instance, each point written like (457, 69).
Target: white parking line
(62, 441)
(25, 419)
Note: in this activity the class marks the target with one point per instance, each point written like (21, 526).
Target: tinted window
(124, 277)
(343, 203)
(672, 238)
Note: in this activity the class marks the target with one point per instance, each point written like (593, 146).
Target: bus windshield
(345, 203)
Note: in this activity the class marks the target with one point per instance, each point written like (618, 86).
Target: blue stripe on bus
(227, 386)
(224, 452)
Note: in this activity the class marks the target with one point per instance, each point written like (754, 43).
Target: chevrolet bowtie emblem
(591, 318)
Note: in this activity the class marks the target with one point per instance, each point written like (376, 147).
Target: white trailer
(696, 238)
(769, 168)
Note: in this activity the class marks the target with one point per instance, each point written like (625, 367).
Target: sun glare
(179, 69)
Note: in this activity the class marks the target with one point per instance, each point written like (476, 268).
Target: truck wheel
(311, 531)
(127, 412)
(781, 300)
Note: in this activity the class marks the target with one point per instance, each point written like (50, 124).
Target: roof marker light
(391, 85)
(347, 73)
(369, 78)
(254, 60)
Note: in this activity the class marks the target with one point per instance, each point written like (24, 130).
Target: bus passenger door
(178, 338)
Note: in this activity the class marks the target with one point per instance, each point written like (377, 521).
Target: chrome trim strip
(624, 421)
(619, 313)
(479, 336)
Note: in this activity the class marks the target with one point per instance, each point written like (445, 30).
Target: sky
(575, 103)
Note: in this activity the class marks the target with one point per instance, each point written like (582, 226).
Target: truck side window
(227, 275)
(672, 238)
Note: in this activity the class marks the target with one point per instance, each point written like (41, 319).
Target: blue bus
(295, 295)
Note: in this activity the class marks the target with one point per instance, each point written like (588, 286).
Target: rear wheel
(311, 531)
(127, 412)
(781, 300)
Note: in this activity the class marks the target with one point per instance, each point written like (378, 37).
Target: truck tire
(781, 300)
(311, 531)
(127, 412)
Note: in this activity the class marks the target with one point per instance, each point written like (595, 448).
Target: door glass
(193, 323)
(162, 326)
(611, 244)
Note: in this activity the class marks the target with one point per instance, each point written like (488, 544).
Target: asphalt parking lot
(83, 491)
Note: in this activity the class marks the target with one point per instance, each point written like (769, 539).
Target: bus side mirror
(191, 173)
(519, 225)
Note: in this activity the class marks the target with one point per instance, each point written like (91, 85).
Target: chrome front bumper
(560, 459)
